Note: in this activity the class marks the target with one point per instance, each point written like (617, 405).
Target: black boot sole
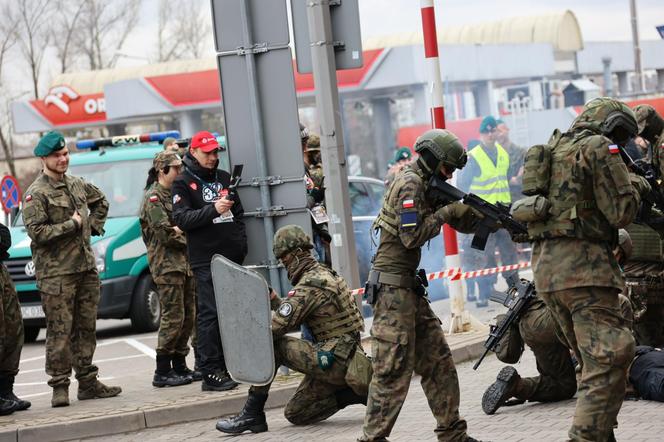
(258, 428)
(206, 387)
(498, 392)
(167, 384)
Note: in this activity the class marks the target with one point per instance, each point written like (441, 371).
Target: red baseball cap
(204, 141)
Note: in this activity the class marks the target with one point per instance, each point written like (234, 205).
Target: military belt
(403, 281)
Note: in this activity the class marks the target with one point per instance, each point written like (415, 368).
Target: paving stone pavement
(638, 420)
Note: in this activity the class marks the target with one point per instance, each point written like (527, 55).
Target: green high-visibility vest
(492, 184)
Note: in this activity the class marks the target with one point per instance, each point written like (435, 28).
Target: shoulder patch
(408, 219)
(28, 198)
(193, 185)
(154, 198)
(613, 149)
(408, 204)
(176, 198)
(285, 309)
(316, 282)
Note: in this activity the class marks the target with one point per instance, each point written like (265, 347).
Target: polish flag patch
(28, 198)
(154, 198)
(613, 149)
(193, 186)
(408, 204)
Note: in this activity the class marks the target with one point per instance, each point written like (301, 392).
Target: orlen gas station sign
(64, 106)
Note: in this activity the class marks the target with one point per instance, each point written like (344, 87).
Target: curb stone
(469, 347)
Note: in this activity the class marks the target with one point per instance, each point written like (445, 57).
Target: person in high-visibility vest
(486, 175)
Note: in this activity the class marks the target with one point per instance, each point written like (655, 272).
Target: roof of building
(560, 29)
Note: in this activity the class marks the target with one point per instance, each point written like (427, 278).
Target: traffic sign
(11, 193)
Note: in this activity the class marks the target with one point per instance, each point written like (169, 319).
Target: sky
(600, 20)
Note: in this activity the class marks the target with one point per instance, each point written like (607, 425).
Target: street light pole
(637, 46)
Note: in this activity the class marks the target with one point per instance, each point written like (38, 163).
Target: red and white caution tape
(456, 274)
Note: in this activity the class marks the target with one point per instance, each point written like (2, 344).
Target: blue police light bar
(123, 140)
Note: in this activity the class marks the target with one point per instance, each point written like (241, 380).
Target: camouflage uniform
(407, 334)
(591, 195)
(66, 273)
(169, 266)
(11, 327)
(336, 370)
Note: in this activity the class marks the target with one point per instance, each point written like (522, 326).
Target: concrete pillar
(383, 132)
(191, 121)
(608, 78)
(623, 84)
(484, 103)
(421, 105)
(660, 80)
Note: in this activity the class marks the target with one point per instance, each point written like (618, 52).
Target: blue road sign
(10, 193)
(660, 29)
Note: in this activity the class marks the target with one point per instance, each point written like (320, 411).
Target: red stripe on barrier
(430, 36)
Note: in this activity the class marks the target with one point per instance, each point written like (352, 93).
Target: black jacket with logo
(194, 192)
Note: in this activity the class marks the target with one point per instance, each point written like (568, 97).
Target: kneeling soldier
(337, 372)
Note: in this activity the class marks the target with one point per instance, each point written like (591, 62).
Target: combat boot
(60, 396)
(348, 397)
(96, 390)
(180, 367)
(165, 376)
(252, 417)
(218, 381)
(7, 393)
(504, 388)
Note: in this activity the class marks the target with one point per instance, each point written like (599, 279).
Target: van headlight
(99, 248)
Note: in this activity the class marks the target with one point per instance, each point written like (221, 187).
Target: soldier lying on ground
(337, 372)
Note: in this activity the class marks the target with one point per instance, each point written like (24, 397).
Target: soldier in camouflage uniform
(315, 178)
(336, 370)
(644, 272)
(591, 195)
(61, 212)
(407, 334)
(169, 266)
(11, 333)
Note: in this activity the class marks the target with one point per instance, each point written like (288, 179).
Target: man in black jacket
(212, 221)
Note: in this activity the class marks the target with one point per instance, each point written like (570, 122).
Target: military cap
(49, 143)
(168, 141)
(403, 153)
(625, 243)
(649, 121)
(488, 124)
(313, 142)
(289, 238)
(166, 158)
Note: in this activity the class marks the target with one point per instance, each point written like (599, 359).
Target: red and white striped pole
(457, 321)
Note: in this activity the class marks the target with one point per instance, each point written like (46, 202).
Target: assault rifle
(495, 215)
(520, 293)
(655, 197)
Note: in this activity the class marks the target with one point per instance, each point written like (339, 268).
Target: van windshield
(122, 183)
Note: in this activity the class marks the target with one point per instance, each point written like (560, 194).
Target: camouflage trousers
(591, 322)
(70, 304)
(178, 313)
(557, 379)
(314, 400)
(408, 338)
(11, 326)
(647, 297)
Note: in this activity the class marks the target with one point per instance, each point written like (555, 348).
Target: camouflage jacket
(417, 222)
(567, 262)
(167, 249)
(59, 246)
(315, 195)
(319, 299)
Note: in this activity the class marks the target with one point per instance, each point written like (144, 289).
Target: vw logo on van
(30, 269)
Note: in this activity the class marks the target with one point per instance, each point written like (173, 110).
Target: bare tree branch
(32, 34)
(69, 13)
(7, 40)
(168, 42)
(183, 29)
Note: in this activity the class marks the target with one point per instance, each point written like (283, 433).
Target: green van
(127, 290)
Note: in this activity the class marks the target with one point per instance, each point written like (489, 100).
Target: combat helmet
(440, 146)
(313, 143)
(651, 125)
(609, 117)
(289, 238)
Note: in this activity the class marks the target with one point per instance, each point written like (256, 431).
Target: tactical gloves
(453, 211)
(640, 184)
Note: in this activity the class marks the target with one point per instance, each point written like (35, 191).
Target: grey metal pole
(608, 78)
(261, 157)
(344, 256)
(637, 47)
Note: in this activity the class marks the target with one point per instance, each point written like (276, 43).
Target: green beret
(51, 142)
(488, 124)
(403, 153)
